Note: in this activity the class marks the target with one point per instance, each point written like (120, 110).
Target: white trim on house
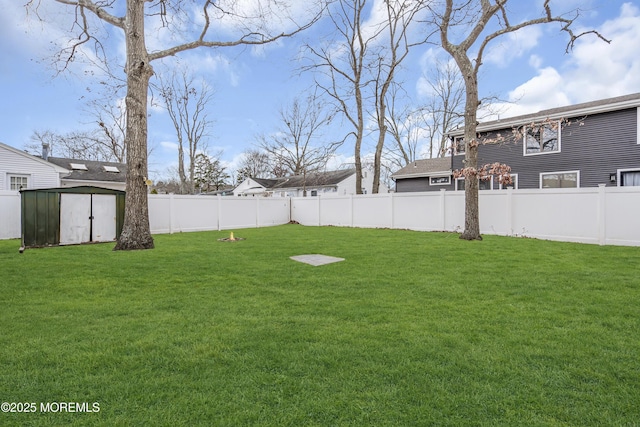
(577, 172)
(21, 176)
(619, 173)
(113, 185)
(638, 125)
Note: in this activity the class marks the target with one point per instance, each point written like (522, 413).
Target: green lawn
(411, 329)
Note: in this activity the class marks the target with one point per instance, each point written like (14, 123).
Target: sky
(527, 71)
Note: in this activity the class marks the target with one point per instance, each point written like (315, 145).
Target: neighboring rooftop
(583, 109)
(89, 170)
(315, 179)
(425, 167)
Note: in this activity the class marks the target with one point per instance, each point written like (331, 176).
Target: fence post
(602, 221)
(219, 211)
(391, 202)
(171, 212)
(258, 212)
(351, 210)
(443, 219)
(509, 211)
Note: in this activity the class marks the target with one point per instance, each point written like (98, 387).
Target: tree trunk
(377, 159)
(359, 133)
(136, 233)
(471, 204)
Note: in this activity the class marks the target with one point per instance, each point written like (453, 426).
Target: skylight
(111, 169)
(78, 166)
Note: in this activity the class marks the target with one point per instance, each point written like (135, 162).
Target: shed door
(75, 224)
(104, 218)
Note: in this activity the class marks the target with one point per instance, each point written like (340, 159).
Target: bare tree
(405, 124)
(85, 145)
(254, 164)
(130, 16)
(109, 114)
(398, 18)
(444, 108)
(482, 21)
(298, 148)
(186, 106)
(342, 65)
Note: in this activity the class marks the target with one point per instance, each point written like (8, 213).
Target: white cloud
(513, 46)
(169, 146)
(593, 70)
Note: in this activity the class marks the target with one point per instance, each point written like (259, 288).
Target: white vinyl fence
(10, 215)
(603, 215)
(173, 213)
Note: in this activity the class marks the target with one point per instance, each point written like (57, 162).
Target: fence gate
(87, 218)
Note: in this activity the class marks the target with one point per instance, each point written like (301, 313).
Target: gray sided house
(581, 145)
(425, 175)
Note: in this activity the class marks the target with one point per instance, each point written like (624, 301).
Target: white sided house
(20, 170)
(337, 183)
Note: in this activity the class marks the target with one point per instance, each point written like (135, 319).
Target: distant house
(425, 175)
(20, 170)
(93, 173)
(340, 182)
(581, 145)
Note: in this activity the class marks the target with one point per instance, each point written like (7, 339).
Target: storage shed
(71, 215)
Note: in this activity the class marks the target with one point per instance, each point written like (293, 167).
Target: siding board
(596, 145)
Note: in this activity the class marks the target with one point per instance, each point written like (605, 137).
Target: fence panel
(273, 211)
(622, 213)
(372, 211)
(305, 210)
(336, 211)
(10, 212)
(419, 211)
(570, 215)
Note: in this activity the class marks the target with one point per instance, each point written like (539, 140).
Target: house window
(78, 166)
(458, 145)
(630, 178)
(439, 180)
(542, 139)
(18, 182)
(483, 184)
(314, 193)
(570, 179)
(514, 183)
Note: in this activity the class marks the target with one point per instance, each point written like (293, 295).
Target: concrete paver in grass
(316, 259)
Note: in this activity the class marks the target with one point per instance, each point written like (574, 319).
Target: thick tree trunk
(471, 204)
(136, 233)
